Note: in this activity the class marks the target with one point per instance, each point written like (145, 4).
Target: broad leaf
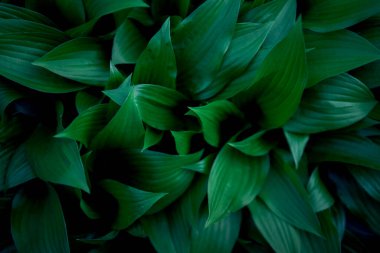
(280, 235)
(98, 8)
(334, 103)
(285, 195)
(86, 125)
(297, 143)
(10, 11)
(133, 203)
(119, 94)
(127, 44)
(320, 198)
(72, 10)
(152, 137)
(21, 43)
(254, 145)
(8, 94)
(125, 130)
(337, 52)
(332, 15)
(280, 81)
(368, 179)
(84, 100)
(235, 180)
(38, 225)
(212, 116)
(82, 59)
(160, 107)
(157, 63)
(346, 148)
(182, 141)
(200, 42)
(56, 160)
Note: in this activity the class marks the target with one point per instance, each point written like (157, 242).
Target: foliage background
(189, 126)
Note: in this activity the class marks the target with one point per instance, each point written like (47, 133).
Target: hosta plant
(189, 126)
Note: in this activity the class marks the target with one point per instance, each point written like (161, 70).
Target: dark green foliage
(189, 126)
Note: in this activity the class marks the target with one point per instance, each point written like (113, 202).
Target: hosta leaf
(98, 8)
(280, 16)
(72, 10)
(8, 94)
(125, 130)
(220, 236)
(56, 160)
(203, 166)
(235, 180)
(280, 235)
(10, 11)
(297, 143)
(119, 94)
(346, 148)
(334, 53)
(247, 39)
(127, 44)
(133, 203)
(182, 141)
(86, 125)
(151, 171)
(160, 107)
(254, 145)
(280, 80)
(212, 116)
(200, 42)
(285, 195)
(157, 64)
(84, 100)
(332, 15)
(152, 137)
(368, 179)
(19, 170)
(82, 59)
(320, 198)
(334, 103)
(21, 43)
(38, 225)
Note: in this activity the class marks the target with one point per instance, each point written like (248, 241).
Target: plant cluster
(189, 126)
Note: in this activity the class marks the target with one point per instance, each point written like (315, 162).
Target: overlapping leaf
(254, 145)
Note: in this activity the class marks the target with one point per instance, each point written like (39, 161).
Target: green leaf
(345, 148)
(8, 94)
(127, 44)
(285, 195)
(332, 15)
(56, 160)
(247, 40)
(182, 141)
(86, 125)
(160, 107)
(37, 221)
(159, 172)
(368, 179)
(119, 94)
(335, 53)
(332, 104)
(254, 145)
(212, 116)
(97, 8)
(280, 235)
(152, 137)
(280, 81)
(21, 43)
(84, 100)
(133, 203)
(320, 198)
(19, 170)
(125, 130)
(10, 11)
(297, 143)
(200, 42)
(72, 10)
(157, 63)
(82, 59)
(235, 180)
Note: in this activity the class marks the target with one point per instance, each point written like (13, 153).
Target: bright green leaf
(82, 59)
(182, 141)
(157, 63)
(254, 145)
(152, 137)
(297, 143)
(235, 180)
(38, 225)
(320, 198)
